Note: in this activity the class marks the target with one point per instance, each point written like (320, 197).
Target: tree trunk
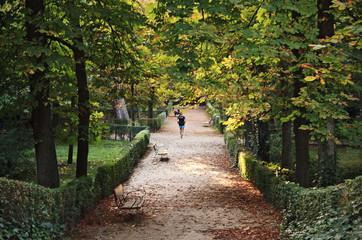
(45, 154)
(71, 147)
(301, 141)
(255, 137)
(326, 150)
(150, 109)
(120, 109)
(83, 112)
(325, 19)
(248, 134)
(70, 153)
(150, 102)
(301, 138)
(263, 146)
(327, 158)
(287, 145)
(301, 153)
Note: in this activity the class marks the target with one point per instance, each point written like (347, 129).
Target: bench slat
(133, 204)
(162, 152)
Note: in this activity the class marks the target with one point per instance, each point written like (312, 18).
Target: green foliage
(156, 123)
(47, 209)
(110, 175)
(338, 217)
(319, 213)
(153, 123)
(125, 130)
(29, 228)
(275, 146)
(15, 153)
(232, 146)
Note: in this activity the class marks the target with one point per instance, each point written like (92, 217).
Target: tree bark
(263, 146)
(325, 19)
(326, 150)
(45, 154)
(301, 140)
(71, 147)
(150, 103)
(83, 112)
(287, 145)
(301, 137)
(248, 134)
(301, 153)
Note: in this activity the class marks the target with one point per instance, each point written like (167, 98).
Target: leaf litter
(195, 195)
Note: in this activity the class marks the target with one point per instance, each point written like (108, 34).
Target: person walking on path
(181, 120)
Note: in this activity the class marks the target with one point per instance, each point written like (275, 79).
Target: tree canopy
(255, 60)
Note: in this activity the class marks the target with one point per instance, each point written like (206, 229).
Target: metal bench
(161, 152)
(207, 124)
(128, 200)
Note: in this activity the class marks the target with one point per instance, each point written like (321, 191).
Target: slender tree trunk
(326, 150)
(327, 158)
(301, 141)
(83, 112)
(248, 134)
(287, 145)
(150, 109)
(263, 146)
(301, 153)
(70, 153)
(325, 19)
(301, 137)
(45, 154)
(71, 147)
(255, 137)
(150, 103)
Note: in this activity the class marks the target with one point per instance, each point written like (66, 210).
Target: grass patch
(346, 155)
(105, 152)
(349, 161)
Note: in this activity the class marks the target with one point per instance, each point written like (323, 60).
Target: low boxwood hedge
(333, 212)
(216, 118)
(22, 202)
(156, 123)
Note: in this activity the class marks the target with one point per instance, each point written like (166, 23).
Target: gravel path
(195, 195)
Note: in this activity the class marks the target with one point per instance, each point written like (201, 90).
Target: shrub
(232, 146)
(124, 130)
(15, 153)
(319, 213)
(156, 123)
(153, 123)
(47, 209)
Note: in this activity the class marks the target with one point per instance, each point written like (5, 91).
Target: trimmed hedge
(156, 123)
(21, 201)
(233, 147)
(216, 118)
(124, 130)
(320, 213)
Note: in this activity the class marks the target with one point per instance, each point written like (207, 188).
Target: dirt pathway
(195, 195)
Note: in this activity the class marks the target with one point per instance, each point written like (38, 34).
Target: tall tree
(326, 149)
(83, 110)
(47, 169)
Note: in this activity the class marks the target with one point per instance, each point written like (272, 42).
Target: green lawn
(346, 155)
(106, 151)
(349, 161)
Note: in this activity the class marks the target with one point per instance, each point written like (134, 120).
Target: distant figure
(176, 112)
(181, 120)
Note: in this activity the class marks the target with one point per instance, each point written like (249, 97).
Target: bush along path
(196, 194)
